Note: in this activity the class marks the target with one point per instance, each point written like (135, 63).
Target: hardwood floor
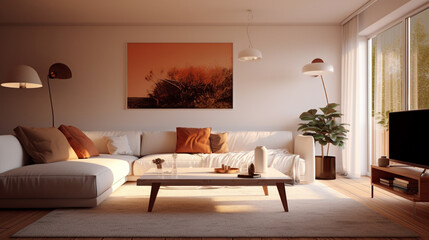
(393, 207)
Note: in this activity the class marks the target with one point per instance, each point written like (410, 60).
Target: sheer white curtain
(354, 99)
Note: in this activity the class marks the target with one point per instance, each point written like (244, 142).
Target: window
(387, 84)
(419, 60)
(399, 75)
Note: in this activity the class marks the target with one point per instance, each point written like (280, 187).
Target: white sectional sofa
(87, 182)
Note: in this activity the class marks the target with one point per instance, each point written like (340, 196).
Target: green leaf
(334, 115)
(332, 105)
(312, 111)
(326, 127)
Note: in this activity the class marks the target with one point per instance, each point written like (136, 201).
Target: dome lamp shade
(317, 67)
(250, 54)
(22, 76)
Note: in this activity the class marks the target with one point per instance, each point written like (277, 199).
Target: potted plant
(383, 120)
(325, 130)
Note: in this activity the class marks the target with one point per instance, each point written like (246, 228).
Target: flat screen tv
(409, 137)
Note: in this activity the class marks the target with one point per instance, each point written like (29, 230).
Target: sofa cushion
(81, 144)
(280, 159)
(98, 137)
(118, 145)
(218, 142)
(193, 140)
(158, 142)
(45, 145)
(81, 178)
(128, 158)
(247, 141)
(12, 155)
(183, 160)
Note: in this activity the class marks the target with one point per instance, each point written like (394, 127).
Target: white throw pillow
(118, 145)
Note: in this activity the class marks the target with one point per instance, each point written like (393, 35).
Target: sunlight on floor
(234, 208)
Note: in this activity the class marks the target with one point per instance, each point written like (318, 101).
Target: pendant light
(249, 54)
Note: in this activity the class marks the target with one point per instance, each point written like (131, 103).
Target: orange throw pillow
(193, 140)
(81, 144)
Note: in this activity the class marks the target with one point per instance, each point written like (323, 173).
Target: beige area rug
(315, 210)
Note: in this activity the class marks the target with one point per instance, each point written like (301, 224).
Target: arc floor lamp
(57, 71)
(23, 76)
(317, 68)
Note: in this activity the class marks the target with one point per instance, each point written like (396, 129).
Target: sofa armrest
(304, 147)
(12, 155)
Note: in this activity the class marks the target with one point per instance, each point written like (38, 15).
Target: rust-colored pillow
(81, 144)
(218, 142)
(193, 140)
(44, 145)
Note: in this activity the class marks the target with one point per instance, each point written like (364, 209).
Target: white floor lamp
(316, 68)
(22, 76)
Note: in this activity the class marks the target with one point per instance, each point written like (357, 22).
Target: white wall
(268, 94)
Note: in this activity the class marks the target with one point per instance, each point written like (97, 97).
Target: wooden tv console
(411, 174)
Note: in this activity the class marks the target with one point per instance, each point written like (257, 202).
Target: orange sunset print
(179, 75)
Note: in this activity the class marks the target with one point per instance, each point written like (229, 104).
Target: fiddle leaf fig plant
(324, 127)
(383, 119)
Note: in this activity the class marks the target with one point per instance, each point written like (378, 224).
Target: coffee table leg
(265, 190)
(153, 192)
(282, 193)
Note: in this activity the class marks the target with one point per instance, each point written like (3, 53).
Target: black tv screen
(409, 137)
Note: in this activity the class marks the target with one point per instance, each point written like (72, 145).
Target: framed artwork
(179, 75)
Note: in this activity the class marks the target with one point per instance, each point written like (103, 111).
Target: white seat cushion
(128, 158)
(83, 178)
(183, 160)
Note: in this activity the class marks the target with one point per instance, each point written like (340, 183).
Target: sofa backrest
(98, 137)
(158, 142)
(12, 155)
(249, 140)
(165, 141)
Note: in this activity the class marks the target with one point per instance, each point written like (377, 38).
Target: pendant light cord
(249, 21)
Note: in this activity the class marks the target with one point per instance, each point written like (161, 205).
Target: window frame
(406, 61)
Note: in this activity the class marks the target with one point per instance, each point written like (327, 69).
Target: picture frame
(179, 75)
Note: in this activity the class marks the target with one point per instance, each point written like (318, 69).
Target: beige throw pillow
(218, 142)
(45, 145)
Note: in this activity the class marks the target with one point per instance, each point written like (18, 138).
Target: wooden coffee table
(207, 177)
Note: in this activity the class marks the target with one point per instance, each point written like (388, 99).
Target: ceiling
(176, 12)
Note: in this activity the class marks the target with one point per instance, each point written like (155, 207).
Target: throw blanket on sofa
(279, 159)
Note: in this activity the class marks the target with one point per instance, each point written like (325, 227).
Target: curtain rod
(360, 10)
